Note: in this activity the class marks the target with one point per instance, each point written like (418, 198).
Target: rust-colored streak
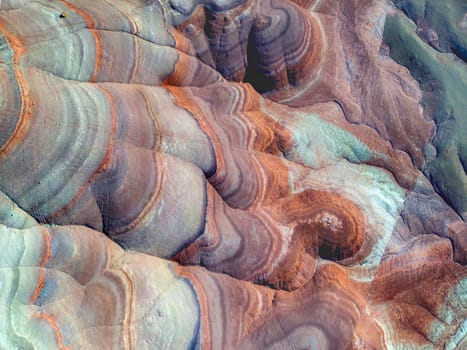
(110, 146)
(45, 258)
(193, 250)
(327, 221)
(182, 43)
(95, 34)
(184, 100)
(98, 62)
(105, 163)
(150, 204)
(27, 102)
(86, 16)
(53, 324)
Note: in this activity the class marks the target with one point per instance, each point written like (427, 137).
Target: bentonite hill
(233, 174)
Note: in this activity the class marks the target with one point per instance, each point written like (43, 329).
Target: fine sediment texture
(438, 37)
(245, 174)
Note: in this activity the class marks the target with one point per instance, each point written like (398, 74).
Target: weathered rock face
(272, 44)
(435, 51)
(216, 174)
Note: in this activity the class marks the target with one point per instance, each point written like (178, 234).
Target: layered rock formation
(254, 174)
(438, 41)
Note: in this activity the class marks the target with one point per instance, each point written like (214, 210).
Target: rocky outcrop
(272, 44)
(433, 48)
